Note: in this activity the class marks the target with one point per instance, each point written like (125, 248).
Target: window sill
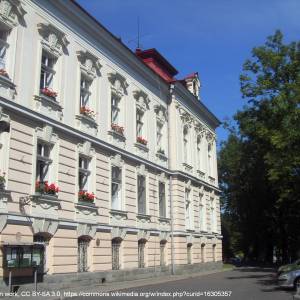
(91, 121)
(117, 135)
(143, 217)
(164, 220)
(46, 100)
(211, 180)
(84, 204)
(161, 156)
(119, 214)
(187, 167)
(201, 174)
(46, 198)
(141, 147)
(7, 82)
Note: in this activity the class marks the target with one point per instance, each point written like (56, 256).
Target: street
(240, 284)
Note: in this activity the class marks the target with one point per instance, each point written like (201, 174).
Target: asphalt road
(240, 284)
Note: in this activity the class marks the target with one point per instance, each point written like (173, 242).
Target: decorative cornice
(161, 113)
(86, 149)
(118, 84)
(142, 100)
(46, 134)
(54, 40)
(89, 63)
(117, 161)
(11, 13)
(141, 170)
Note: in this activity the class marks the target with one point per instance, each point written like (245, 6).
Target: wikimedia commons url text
(118, 294)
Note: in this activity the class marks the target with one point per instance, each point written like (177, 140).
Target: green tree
(260, 162)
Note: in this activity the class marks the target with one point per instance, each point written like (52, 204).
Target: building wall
(64, 220)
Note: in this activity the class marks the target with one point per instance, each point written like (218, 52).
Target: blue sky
(213, 37)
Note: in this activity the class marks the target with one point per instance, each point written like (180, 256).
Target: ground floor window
(141, 253)
(115, 251)
(189, 253)
(214, 252)
(203, 253)
(83, 245)
(162, 253)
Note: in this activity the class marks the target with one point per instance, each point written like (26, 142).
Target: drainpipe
(170, 185)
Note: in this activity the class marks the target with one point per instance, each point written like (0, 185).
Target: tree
(260, 162)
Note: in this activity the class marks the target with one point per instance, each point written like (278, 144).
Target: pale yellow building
(131, 149)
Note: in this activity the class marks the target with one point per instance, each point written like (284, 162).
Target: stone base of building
(70, 281)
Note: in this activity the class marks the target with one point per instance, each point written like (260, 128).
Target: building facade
(108, 163)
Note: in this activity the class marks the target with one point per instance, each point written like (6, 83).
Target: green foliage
(260, 162)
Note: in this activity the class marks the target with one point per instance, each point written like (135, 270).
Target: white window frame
(140, 126)
(164, 200)
(48, 69)
(4, 146)
(119, 183)
(44, 160)
(84, 170)
(85, 91)
(185, 140)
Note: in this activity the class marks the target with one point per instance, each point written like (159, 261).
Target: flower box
(49, 92)
(117, 128)
(85, 196)
(2, 181)
(141, 140)
(43, 187)
(84, 110)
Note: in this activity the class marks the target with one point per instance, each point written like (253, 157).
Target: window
(83, 173)
(201, 213)
(141, 182)
(199, 153)
(189, 253)
(43, 161)
(141, 253)
(47, 70)
(116, 188)
(214, 252)
(203, 253)
(85, 92)
(139, 123)
(209, 159)
(188, 208)
(212, 215)
(115, 251)
(162, 199)
(3, 47)
(83, 245)
(185, 145)
(162, 253)
(159, 135)
(115, 109)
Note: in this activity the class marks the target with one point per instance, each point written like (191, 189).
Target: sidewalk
(114, 286)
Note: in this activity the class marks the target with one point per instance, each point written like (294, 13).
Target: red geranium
(141, 140)
(117, 128)
(86, 196)
(44, 187)
(48, 92)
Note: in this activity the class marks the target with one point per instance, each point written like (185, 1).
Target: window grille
(162, 199)
(115, 248)
(141, 253)
(82, 255)
(141, 182)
